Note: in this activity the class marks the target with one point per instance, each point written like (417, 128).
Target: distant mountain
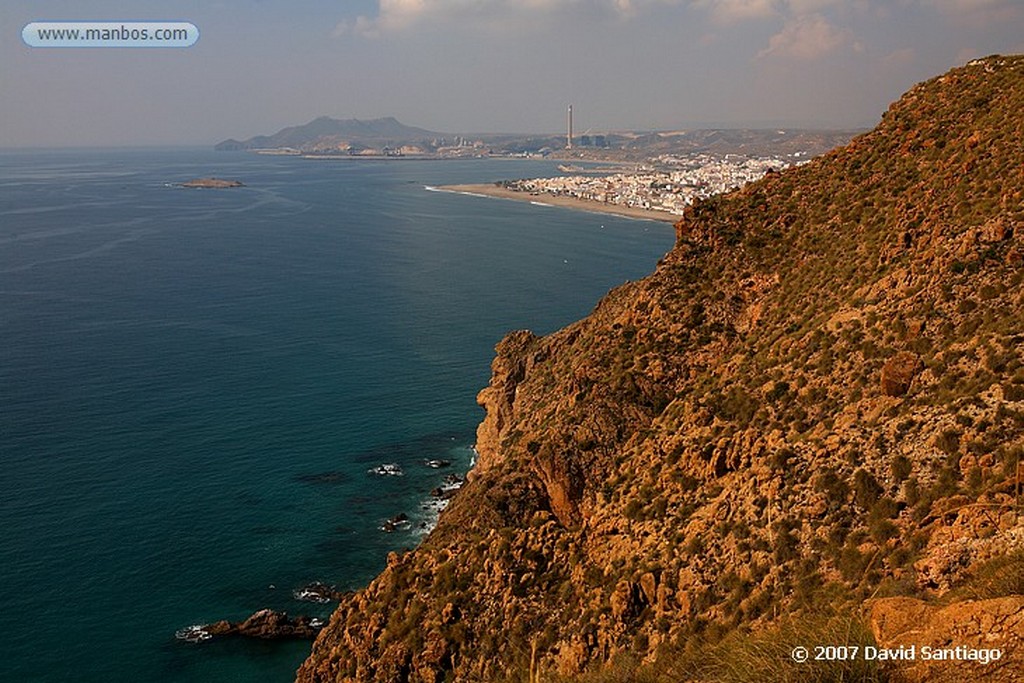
(325, 133)
(387, 135)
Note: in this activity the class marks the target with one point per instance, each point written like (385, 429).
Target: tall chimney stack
(568, 137)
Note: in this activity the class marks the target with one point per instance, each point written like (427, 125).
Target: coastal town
(653, 175)
(676, 183)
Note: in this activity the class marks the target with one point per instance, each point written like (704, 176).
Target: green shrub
(997, 578)
(900, 467)
(866, 489)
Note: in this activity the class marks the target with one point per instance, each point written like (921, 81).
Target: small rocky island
(212, 183)
(265, 624)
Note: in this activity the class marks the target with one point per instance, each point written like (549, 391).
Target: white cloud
(807, 37)
(399, 15)
(361, 26)
(729, 11)
(900, 58)
(809, 6)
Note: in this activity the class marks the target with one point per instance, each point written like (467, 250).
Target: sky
(464, 66)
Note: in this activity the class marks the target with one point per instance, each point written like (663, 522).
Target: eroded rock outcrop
(966, 641)
(266, 624)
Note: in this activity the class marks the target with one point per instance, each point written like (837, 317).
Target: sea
(198, 386)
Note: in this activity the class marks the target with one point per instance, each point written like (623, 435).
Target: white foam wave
(434, 188)
(306, 595)
(196, 633)
(388, 469)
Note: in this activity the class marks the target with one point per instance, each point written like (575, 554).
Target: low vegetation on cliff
(806, 423)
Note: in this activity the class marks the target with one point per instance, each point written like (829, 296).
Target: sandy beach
(491, 190)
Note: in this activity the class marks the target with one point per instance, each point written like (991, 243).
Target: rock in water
(270, 625)
(212, 183)
(265, 624)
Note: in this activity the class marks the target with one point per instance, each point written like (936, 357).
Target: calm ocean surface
(194, 383)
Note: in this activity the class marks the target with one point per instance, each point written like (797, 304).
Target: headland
(802, 433)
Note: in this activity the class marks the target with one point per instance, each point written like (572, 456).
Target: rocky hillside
(806, 425)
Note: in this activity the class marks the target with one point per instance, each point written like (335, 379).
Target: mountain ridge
(812, 408)
(327, 136)
(323, 130)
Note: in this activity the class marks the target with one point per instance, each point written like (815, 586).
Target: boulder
(981, 627)
(898, 372)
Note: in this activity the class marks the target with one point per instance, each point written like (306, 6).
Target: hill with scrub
(325, 134)
(805, 427)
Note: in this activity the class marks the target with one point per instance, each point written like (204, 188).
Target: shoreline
(491, 190)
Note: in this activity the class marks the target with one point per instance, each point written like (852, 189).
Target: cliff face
(817, 398)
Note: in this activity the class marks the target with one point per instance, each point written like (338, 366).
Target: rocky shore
(267, 624)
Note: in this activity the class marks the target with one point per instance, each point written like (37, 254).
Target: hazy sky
(485, 65)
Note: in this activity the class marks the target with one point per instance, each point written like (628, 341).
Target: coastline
(494, 191)
(318, 515)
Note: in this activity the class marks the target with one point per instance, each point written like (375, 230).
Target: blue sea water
(194, 383)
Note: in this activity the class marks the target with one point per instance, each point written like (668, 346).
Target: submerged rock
(401, 519)
(196, 633)
(317, 592)
(437, 464)
(388, 469)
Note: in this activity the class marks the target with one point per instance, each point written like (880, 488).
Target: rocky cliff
(812, 408)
